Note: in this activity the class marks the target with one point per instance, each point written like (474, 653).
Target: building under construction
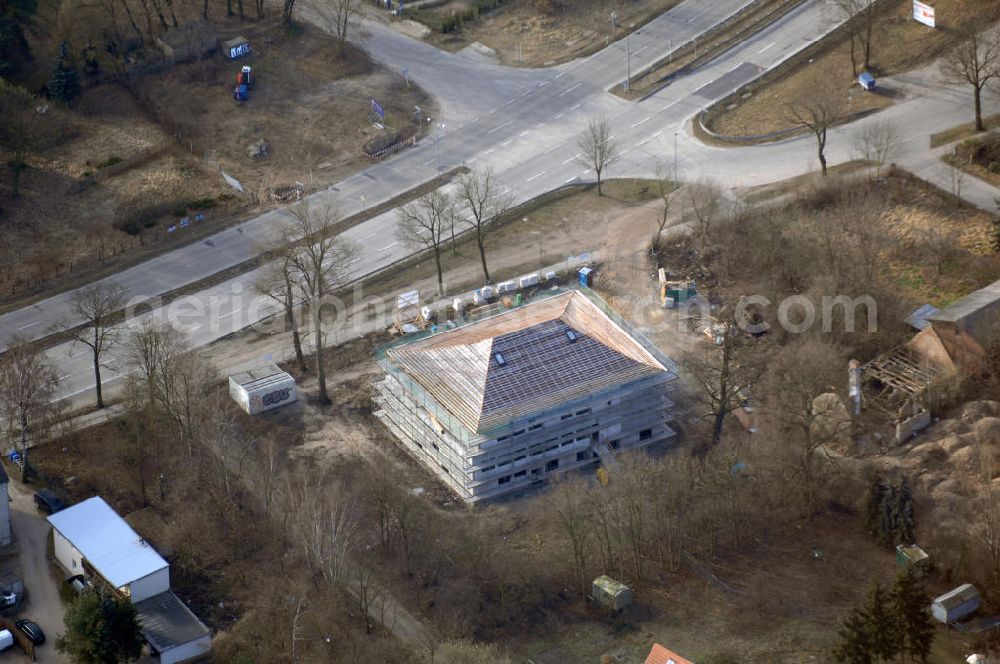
(496, 405)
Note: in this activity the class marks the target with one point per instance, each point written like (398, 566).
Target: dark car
(48, 502)
(31, 630)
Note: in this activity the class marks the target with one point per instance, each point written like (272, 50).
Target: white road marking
(65, 377)
(537, 175)
(505, 190)
(736, 67)
(767, 47)
(389, 246)
(507, 142)
(657, 134)
(369, 236)
(428, 162)
(470, 160)
(489, 151)
(570, 89)
(639, 145)
(576, 156)
(522, 134)
(638, 50)
(23, 327)
(354, 260)
(230, 313)
(571, 179)
(77, 354)
(573, 108)
(643, 121)
(673, 103)
(509, 122)
(559, 116)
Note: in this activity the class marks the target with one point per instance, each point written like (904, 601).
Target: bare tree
(287, 6)
(597, 148)
(702, 207)
(150, 350)
(567, 507)
(320, 262)
(28, 385)
(97, 305)
(276, 282)
(422, 226)
(878, 143)
(816, 115)
(665, 186)
(975, 61)
(479, 191)
(336, 17)
(990, 514)
(860, 17)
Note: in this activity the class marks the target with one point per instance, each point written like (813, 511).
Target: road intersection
(522, 123)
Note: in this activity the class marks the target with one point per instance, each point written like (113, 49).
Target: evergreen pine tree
(64, 83)
(905, 522)
(871, 517)
(855, 644)
(884, 633)
(887, 516)
(910, 605)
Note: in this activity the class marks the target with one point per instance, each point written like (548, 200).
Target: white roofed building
(92, 540)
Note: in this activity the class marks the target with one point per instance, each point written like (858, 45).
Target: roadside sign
(923, 13)
(377, 110)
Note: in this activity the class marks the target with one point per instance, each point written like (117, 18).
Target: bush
(202, 203)
(110, 161)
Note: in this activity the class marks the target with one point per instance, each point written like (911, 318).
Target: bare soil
(979, 157)
(898, 44)
(534, 33)
(137, 163)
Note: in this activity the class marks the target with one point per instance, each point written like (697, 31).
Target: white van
(6, 639)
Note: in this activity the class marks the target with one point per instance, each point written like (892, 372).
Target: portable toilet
(246, 76)
(866, 80)
(586, 276)
(240, 92)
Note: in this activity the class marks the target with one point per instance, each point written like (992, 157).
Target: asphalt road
(524, 124)
(43, 604)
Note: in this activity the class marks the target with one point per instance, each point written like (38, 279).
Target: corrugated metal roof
(166, 622)
(542, 364)
(107, 542)
(258, 373)
(918, 317)
(970, 304)
(958, 596)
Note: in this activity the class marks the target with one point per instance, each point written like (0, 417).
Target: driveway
(43, 605)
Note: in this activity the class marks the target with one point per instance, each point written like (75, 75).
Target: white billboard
(923, 13)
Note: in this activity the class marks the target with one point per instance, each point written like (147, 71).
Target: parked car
(7, 598)
(48, 502)
(77, 583)
(31, 630)
(6, 639)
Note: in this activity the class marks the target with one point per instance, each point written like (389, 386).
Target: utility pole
(628, 64)
(675, 155)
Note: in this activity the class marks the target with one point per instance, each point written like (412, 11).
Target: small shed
(956, 604)
(189, 41)
(866, 81)
(610, 593)
(911, 556)
(236, 48)
(262, 388)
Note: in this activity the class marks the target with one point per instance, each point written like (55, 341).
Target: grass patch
(961, 131)
(110, 161)
(770, 191)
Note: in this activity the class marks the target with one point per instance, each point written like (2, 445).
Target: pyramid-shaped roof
(525, 360)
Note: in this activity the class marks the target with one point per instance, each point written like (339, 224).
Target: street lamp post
(675, 155)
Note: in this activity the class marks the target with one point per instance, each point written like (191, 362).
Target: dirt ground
(979, 156)
(135, 164)
(898, 44)
(534, 33)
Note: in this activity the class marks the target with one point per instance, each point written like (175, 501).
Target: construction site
(495, 405)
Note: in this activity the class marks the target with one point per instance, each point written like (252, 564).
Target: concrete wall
(529, 450)
(66, 554)
(154, 584)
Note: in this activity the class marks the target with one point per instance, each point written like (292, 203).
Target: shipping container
(262, 388)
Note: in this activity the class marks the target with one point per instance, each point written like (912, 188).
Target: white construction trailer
(262, 388)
